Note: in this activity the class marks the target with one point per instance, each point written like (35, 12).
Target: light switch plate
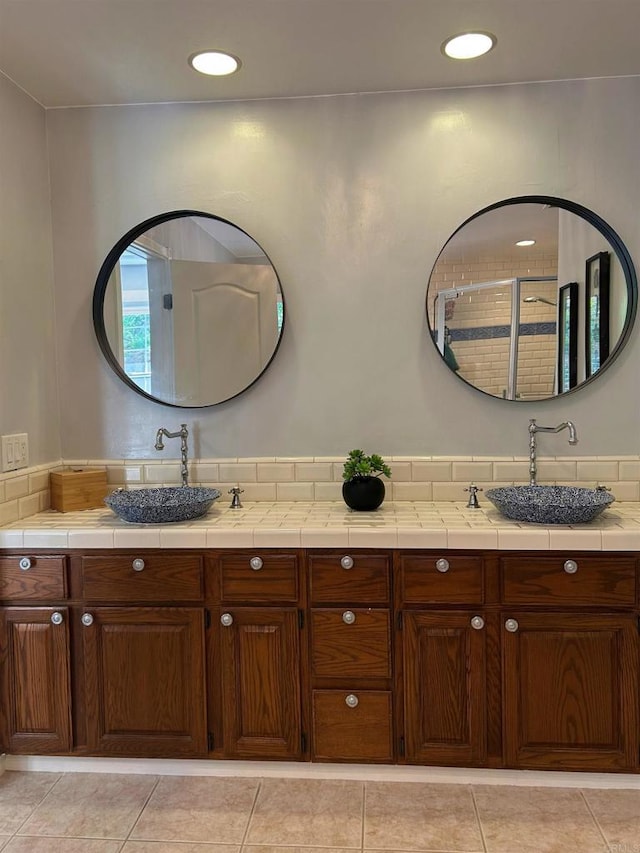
(15, 451)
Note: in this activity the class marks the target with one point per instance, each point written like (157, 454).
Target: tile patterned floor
(109, 813)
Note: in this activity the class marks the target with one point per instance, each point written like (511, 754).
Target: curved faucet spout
(533, 429)
(182, 434)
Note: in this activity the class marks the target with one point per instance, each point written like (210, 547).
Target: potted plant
(362, 488)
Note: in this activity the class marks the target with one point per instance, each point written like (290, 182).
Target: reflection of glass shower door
(500, 336)
(474, 334)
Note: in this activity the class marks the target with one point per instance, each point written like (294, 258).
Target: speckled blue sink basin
(550, 504)
(161, 505)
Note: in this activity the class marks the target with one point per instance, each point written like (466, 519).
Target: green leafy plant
(359, 465)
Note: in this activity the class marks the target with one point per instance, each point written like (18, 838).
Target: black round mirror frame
(104, 276)
(617, 245)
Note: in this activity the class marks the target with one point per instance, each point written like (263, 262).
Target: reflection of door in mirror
(226, 326)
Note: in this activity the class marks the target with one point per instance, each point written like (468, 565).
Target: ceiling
(83, 52)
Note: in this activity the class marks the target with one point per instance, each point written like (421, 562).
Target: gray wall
(352, 197)
(28, 382)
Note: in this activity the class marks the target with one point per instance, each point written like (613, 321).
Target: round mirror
(531, 298)
(188, 309)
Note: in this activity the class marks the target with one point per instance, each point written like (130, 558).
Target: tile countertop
(397, 524)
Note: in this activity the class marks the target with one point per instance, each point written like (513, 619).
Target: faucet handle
(473, 490)
(236, 491)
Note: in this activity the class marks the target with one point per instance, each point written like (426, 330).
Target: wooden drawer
(441, 578)
(349, 578)
(358, 647)
(32, 578)
(596, 580)
(259, 577)
(360, 733)
(142, 577)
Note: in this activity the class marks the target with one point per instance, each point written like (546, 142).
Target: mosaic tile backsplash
(414, 478)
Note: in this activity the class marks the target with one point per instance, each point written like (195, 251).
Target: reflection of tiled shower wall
(483, 361)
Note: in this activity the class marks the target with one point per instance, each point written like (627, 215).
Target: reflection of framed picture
(567, 337)
(596, 312)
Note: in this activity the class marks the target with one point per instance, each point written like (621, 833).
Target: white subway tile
(29, 505)
(629, 470)
(18, 487)
(411, 491)
(278, 472)
(238, 473)
(258, 492)
(469, 472)
(430, 472)
(294, 491)
(313, 472)
(597, 471)
(9, 512)
(327, 491)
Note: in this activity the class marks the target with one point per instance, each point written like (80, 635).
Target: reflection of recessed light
(526, 243)
(214, 63)
(468, 45)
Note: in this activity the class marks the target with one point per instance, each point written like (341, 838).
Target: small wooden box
(78, 488)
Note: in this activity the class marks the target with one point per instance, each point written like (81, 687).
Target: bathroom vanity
(482, 657)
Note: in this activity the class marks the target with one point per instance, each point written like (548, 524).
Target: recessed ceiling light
(526, 243)
(468, 45)
(214, 62)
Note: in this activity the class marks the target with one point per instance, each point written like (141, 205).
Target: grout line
(253, 808)
(477, 813)
(596, 821)
(37, 805)
(144, 805)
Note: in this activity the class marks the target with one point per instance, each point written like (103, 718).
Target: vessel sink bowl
(161, 505)
(550, 504)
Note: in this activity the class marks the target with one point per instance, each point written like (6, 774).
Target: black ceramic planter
(363, 493)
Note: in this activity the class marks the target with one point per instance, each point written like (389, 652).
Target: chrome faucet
(182, 434)
(533, 429)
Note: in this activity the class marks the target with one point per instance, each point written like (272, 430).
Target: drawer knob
(87, 619)
(442, 565)
(226, 619)
(571, 567)
(25, 564)
(351, 701)
(256, 563)
(346, 562)
(511, 625)
(138, 565)
(348, 617)
(57, 618)
(477, 622)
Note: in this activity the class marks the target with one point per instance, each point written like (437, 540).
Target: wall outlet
(15, 451)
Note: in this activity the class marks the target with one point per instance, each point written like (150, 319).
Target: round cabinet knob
(477, 622)
(348, 617)
(87, 619)
(511, 625)
(138, 565)
(256, 563)
(57, 618)
(351, 701)
(25, 564)
(226, 619)
(346, 562)
(571, 567)
(442, 565)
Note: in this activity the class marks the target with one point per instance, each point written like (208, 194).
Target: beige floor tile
(305, 812)
(177, 847)
(275, 848)
(198, 809)
(618, 814)
(31, 844)
(20, 793)
(420, 816)
(536, 820)
(3, 840)
(91, 805)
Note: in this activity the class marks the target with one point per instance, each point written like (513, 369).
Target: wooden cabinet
(444, 686)
(570, 690)
(255, 653)
(144, 681)
(497, 659)
(350, 657)
(35, 699)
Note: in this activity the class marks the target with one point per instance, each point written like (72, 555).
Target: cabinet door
(260, 652)
(444, 687)
(35, 703)
(144, 675)
(570, 690)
